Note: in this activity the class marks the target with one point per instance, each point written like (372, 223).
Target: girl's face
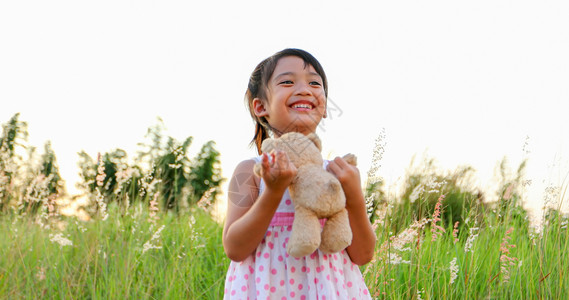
(296, 99)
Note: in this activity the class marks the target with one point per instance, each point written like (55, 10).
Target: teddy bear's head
(301, 149)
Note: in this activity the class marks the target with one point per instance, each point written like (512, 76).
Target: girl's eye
(315, 83)
(286, 82)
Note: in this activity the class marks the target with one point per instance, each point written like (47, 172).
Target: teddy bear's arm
(351, 159)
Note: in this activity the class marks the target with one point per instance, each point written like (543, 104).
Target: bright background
(465, 81)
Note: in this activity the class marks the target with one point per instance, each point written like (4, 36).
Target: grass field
(133, 254)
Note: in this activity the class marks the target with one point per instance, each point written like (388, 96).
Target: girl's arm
(248, 213)
(363, 242)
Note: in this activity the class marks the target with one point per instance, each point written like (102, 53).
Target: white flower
(148, 245)
(470, 240)
(417, 191)
(453, 270)
(395, 259)
(58, 238)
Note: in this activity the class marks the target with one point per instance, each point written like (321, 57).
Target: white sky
(466, 80)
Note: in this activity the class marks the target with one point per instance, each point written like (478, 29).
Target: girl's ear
(259, 108)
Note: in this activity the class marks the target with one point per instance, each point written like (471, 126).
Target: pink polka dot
(267, 286)
(258, 280)
(282, 282)
(318, 269)
(288, 202)
(283, 298)
(271, 245)
(323, 297)
(233, 293)
(300, 286)
(328, 276)
(338, 293)
(266, 255)
(276, 234)
(345, 261)
(246, 276)
(313, 255)
(281, 258)
(315, 280)
(292, 269)
(302, 297)
(274, 271)
(251, 270)
(365, 292)
(303, 269)
(244, 288)
(258, 254)
(261, 268)
(349, 284)
(289, 228)
(273, 289)
(292, 294)
(268, 233)
(291, 281)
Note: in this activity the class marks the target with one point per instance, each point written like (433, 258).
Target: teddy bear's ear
(315, 139)
(268, 145)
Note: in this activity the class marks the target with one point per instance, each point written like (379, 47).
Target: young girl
(287, 92)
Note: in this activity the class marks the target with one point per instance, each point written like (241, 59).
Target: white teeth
(302, 106)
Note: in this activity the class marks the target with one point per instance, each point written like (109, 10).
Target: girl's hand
(348, 175)
(277, 171)
(364, 239)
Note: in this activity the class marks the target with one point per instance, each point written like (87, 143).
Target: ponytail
(261, 134)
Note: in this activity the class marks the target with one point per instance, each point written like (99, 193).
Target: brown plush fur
(316, 194)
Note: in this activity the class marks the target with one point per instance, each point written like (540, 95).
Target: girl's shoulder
(246, 165)
(244, 173)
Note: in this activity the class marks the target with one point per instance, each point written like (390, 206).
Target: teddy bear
(316, 194)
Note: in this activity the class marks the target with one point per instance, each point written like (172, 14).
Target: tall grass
(178, 257)
(494, 260)
(437, 239)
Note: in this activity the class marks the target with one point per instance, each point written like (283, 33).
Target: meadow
(439, 237)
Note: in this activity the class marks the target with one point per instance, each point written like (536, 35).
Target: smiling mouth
(302, 106)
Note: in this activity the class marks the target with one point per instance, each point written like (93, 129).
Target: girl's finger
(340, 162)
(333, 167)
(282, 160)
(265, 162)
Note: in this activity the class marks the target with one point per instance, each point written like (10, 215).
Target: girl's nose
(303, 89)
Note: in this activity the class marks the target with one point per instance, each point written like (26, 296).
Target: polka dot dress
(270, 273)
